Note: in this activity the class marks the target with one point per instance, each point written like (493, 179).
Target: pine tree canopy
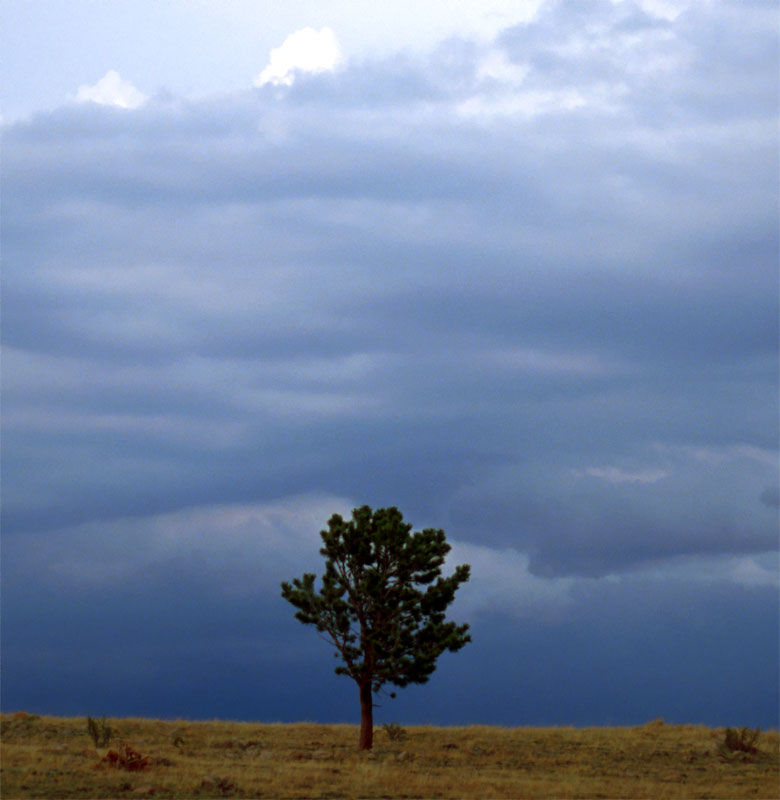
(382, 599)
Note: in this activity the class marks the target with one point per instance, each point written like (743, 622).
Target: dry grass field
(54, 757)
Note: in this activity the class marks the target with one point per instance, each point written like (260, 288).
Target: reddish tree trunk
(366, 717)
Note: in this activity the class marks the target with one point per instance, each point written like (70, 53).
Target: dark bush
(395, 733)
(741, 740)
(739, 744)
(100, 731)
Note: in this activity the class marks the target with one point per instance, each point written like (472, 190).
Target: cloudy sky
(511, 267)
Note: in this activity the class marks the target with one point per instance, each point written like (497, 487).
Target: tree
(385, 628)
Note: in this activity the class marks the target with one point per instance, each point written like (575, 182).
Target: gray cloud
(463, 283)
(597, 518)
(770, 497)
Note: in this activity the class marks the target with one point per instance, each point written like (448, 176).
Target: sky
(510, 267)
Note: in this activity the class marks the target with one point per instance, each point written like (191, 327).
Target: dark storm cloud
(187, 642)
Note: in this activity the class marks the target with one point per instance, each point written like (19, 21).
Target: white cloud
(528, 104)
(495, 66)
(306, 50)
(111, 90)
(664, 9)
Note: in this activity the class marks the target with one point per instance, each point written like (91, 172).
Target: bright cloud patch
(248, 547)
(306, 50)
(111, 90)
(618, 475)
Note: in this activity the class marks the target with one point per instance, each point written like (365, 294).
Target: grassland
(54, 757)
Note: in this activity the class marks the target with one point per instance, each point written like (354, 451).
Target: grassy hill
(55, 757)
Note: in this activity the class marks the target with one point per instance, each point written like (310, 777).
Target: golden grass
(53, 757)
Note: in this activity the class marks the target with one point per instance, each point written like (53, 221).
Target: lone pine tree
(382, 603)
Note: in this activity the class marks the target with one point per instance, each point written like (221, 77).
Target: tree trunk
(366, 716)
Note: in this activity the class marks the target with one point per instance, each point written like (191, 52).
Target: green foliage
(395, 733)
(99, 731)
(383, 598)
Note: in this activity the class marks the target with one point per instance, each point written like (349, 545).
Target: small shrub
(741, 740)
(739, 744)
(126, 758)
(100, 731)
(225, 786)
(395, 733)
